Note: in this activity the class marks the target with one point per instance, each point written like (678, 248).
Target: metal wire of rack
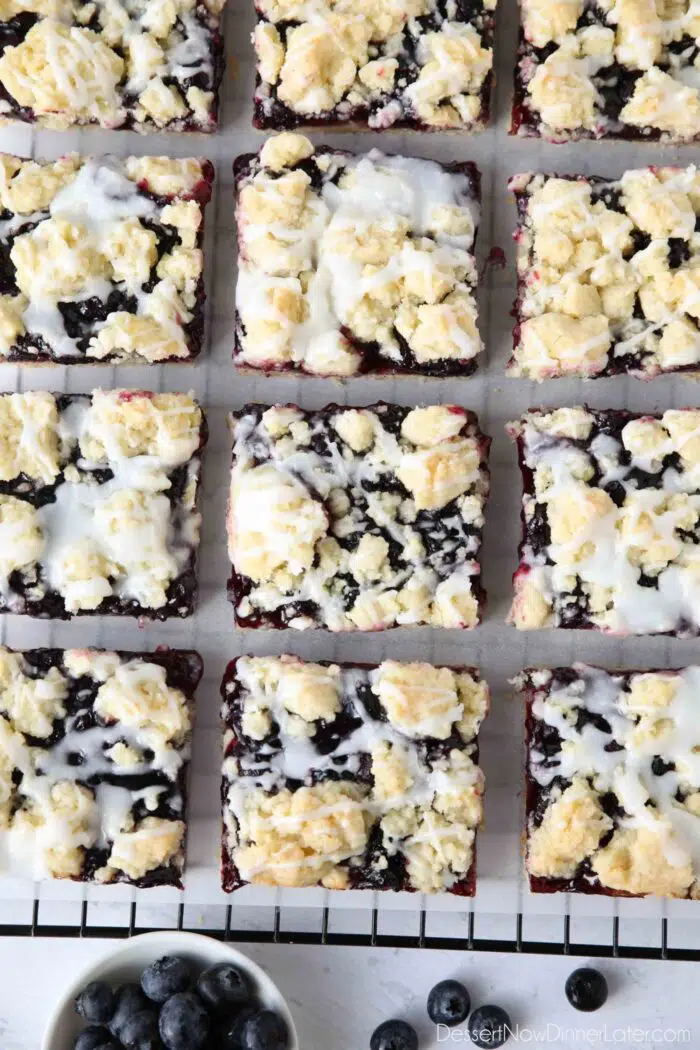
(278, 933)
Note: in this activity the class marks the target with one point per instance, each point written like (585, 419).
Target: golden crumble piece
(300, 838)
(138, 695)
(636, 860)
(297, 520)
(419, 699)
(29, 441)
(309, 690)
(436, 476)
(162, 425)
(153, 843)
(570, 831)
(29, 72)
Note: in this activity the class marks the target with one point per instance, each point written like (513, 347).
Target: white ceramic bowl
(125, 961)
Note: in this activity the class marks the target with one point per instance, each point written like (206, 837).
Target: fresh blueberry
(394, 1035)
(140, 1031)
(224, 986)
(265, 1030)
(96, 1003)
(230, 1035)
(586, 989)
(489, 1026)
(448, 1003)
(165, 977)
(184, 1023)
(94, 1037)
(129, 1000)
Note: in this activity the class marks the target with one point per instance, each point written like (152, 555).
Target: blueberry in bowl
(172, 991)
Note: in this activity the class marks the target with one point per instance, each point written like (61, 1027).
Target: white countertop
(338, 995)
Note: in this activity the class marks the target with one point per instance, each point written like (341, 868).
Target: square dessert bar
(94, 749)
(351, 777)
(357, 519)
(145, 65)
(613, 781)
(355, 263)
(608, 274)
(101, 259)
(611, 521)
(625, 70)
(419, 64)
(98, 503)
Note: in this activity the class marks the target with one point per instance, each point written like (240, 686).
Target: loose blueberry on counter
(265, 1030)
(586, 989)
(448, 1003)
(489, 1026)
(130, 1000)
(184, 1023)
(165, 977)
(223, 987)
(394, 1035)
(140, 1031)
(230, 1035)
(94, 1037)
(96, 1003)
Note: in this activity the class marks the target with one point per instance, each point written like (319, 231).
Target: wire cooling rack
(366, 928)
(503, 916)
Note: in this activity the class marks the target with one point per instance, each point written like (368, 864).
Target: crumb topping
(101, 259)
(362, 528)
(145, 65)
(381, 788)
(614, 779)
(410, 63)
(86, 793)
(101, 510)
(625, 70)
(611, 523)
(355, 263)
(608, 274)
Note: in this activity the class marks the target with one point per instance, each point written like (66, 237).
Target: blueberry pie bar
(355, 263)
(613, 781)
(357, 519)
(101, 259)
(419, 64)
(611, 521)
(148, 65)
(98, 502)
(608, 274)
(624, 70)
(94, 749)
(351, 777)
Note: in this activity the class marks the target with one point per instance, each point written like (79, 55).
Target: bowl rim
(119, 953)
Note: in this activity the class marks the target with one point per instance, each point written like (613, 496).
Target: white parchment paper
(498, 649)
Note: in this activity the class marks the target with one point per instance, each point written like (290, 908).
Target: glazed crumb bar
(94, 749)
(419, 64)
(613, 780)
(101, 259)
(351, 777)
(355, 263)
(625, 70)
(356, 519)
(611, 521)
(98, 499)
(608, 274)
(144, 65)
